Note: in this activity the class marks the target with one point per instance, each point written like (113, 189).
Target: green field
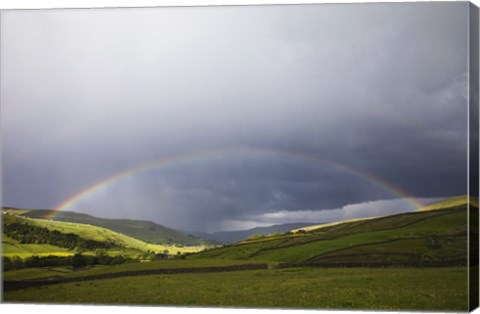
(311, 268)
(67, 272)
(451, 202)
(436, 235)
(13, 248)
(333, 288)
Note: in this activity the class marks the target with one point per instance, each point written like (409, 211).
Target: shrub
(79, 261)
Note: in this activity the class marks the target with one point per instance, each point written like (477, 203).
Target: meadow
(409, 261)
(68, 272)
(327, 288)
(417, 237)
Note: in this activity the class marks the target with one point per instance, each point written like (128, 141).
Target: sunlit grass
(334, 288)
(368, 234)
(105, 235)
(128, 247)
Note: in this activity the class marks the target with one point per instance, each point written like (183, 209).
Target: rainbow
(101, 185)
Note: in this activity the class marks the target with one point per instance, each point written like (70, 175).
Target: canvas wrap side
(473, 154)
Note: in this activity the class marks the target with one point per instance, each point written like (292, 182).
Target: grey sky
(380, 88)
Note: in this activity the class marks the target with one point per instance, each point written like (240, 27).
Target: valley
(416, 260)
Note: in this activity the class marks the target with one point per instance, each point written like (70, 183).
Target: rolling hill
(450, 202)
(115, 242)
(435, 237)
(224, 237)
(146, 231)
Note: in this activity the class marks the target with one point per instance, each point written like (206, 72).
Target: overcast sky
(310, 110)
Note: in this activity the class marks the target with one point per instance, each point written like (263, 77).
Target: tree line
(76, 261)
(31, 234)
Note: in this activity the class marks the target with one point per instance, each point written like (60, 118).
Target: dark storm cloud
(380, 88)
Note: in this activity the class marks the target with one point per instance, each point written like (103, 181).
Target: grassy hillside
(411, 238)
(13, 248)
(328, 224)
(146, 231)
(122, 243)
(234, 236)
(427, 289)
(451, 202)
(422, 238)
(38, 273)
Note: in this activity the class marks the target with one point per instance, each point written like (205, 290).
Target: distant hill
(147, 231)
(223, 237)
(329, 224)
(421, 238)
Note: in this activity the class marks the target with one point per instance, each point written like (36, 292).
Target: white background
(24, 4)
(72, 309)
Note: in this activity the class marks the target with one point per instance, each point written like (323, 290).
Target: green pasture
(451, 202)
(421, 235)
(12, 248)
(439, 234)
(67, 272)
(441, 289)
